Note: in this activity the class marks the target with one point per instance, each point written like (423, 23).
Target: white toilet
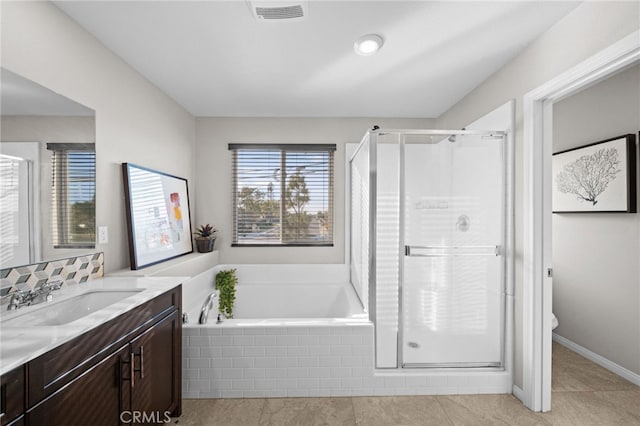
(554, 321)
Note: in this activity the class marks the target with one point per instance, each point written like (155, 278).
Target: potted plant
(205, 238)
(226, 281)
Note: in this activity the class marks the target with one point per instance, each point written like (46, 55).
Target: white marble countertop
(20, 343)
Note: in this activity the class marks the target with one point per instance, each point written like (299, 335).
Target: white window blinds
(73, 189)
(282, 194)
(12, 232)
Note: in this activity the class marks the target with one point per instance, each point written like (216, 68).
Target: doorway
(538, 272)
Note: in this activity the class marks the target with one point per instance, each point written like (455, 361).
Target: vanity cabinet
(156, 383)
(12, 397)
(130, 364)
(94, 398)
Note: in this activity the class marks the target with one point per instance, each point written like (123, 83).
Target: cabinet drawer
(12, 396)
(53, 370)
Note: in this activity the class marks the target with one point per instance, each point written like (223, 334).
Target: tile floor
(583, 394)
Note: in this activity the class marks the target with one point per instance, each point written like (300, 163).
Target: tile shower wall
(71, 271)
(254, 362)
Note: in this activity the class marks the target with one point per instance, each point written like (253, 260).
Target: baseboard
(600, 360)
(518, 393)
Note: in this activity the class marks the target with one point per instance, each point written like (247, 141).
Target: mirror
(47, 167)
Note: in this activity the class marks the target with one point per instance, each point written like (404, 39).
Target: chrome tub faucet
(206, 307)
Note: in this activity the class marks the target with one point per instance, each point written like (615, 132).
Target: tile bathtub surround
(71, 271)
(321, 361)
(275, 361)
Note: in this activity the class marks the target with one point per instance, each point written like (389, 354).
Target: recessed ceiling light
(368, 44)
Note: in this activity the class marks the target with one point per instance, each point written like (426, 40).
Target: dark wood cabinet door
(156, 388)
(97, 397)
(53, 370)
(12, 395)
(17, 422)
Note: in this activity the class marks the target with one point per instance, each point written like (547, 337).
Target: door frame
(537, 282)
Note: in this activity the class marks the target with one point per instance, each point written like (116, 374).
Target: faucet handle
(19, 298)
(55, 285)
(49, 286)
(21, 294)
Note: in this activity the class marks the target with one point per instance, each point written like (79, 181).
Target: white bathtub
(298, 330)
(292, 325)
(287, 304)
(284, 299)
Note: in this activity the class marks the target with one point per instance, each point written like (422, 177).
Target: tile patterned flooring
(583, 394)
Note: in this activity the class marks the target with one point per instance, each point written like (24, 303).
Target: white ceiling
(216, 59)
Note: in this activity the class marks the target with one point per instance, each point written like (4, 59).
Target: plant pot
(205, 245)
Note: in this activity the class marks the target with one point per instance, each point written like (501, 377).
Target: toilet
(554, 321)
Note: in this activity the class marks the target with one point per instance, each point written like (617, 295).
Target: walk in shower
(429, 245)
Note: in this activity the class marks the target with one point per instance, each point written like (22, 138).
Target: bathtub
(284, 299)
(298, 330)
(284, 303)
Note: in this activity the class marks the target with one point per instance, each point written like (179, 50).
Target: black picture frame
(600, 177)
(158, 225)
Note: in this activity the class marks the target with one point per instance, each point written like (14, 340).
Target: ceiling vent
(279, 10)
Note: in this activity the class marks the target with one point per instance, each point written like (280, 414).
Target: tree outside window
(276, 208)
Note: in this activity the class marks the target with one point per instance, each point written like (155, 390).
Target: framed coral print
(596, 178)
(158, 216)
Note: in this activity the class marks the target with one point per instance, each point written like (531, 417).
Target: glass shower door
(453, 269)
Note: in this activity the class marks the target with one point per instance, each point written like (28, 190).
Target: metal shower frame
(372, 136)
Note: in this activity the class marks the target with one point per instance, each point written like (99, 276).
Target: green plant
(226, 281)
(205, 231)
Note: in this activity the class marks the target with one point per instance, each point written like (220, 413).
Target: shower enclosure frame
(371, 136)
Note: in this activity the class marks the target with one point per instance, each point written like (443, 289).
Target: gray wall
(135, 121)
(589, 28)
(596, 257)
(213, 166)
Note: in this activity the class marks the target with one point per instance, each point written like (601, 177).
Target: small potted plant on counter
(205, 238)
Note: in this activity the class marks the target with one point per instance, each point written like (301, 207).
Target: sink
(68, 310)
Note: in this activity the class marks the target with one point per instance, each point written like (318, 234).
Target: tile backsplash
(71, 271)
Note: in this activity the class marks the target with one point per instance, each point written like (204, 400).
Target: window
(73, 189)
(282, 194)
(14, 223)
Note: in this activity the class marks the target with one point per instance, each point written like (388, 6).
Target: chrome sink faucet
(19, 298)
(43, 292)
(32, 297)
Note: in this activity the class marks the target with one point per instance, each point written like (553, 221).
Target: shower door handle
(443, 251)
